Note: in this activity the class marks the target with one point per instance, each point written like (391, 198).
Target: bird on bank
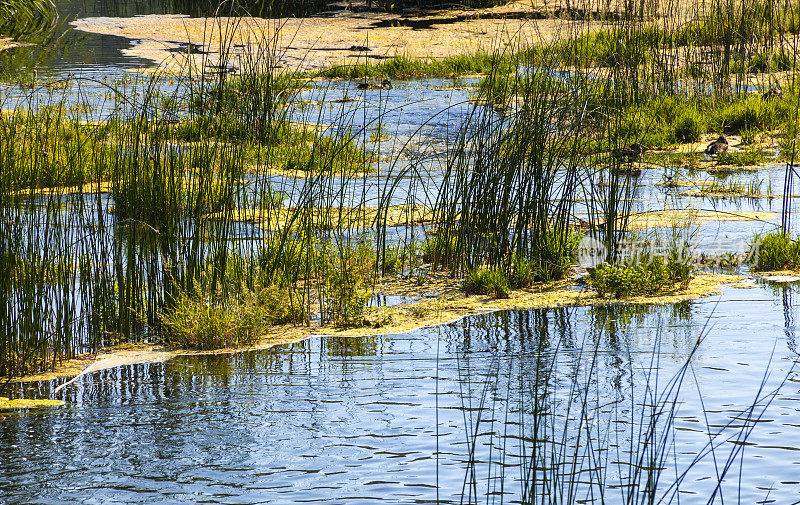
(385, 84)
(719, 146)
(772, 93)
(629, 153)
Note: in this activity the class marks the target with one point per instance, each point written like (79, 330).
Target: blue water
(389, 418)
(436, 415)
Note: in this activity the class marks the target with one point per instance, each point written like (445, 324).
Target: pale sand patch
(8, 43)
(666, 218)
(277, 219)
(321, 41)
(449, 307)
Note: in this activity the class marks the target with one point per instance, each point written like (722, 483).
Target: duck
(717, 147)
(385, 84)
(772, 93)
(629, 153)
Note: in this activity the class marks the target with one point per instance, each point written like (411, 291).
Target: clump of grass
(47, 149)
(206, 319)
(486, 281)
(751, 113)
(440, 250)
(646, 274)
(522, 272)
(779, 60)
(347, 272)
(197, 323)
(749, 157)
(749, 135)
(689, 126)
(401, 257)
(774, 251)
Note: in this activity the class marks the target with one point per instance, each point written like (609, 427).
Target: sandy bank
(336, 38)
(447, 308)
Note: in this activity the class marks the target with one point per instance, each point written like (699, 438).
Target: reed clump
(484, 281)
(775, 251)
(45, 149)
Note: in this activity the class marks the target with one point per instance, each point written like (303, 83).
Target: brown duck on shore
(629, 153)
(772, 93)
(717, 147)
(385, 84)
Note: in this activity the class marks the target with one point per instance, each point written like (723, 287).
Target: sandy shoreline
(405, 318)
(335, 38)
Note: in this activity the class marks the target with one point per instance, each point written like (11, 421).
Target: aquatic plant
(347, 273)
(484, 281)
(195, 323)
(27, 18)
(644, 272)
(749, 157)
(589, 419)
(774, 251)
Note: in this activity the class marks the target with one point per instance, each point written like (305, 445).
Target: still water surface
(393, 418)
(389, 418)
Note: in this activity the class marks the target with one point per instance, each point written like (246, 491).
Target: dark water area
(393, 418)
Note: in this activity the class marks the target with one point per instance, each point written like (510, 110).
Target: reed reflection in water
(513, 406)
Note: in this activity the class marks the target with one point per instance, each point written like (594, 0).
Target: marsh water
(438, 415)
(389, 418)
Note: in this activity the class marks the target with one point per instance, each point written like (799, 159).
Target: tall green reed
(553, 418)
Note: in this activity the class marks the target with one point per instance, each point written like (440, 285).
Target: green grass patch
(750, 157)
(775, 251)
(646, 276)
(486, 281)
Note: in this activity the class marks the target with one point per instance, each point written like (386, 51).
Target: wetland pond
(494, 408)
(429, 416)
